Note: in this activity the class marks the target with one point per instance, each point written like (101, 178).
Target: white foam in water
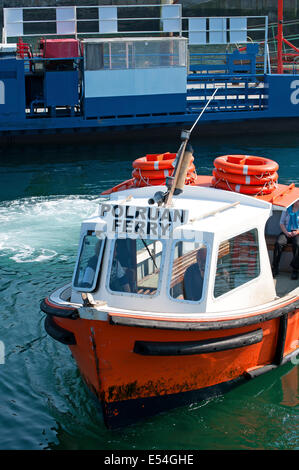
(38, 229)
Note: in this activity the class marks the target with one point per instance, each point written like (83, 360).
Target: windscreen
(136, 266)
(88, 264)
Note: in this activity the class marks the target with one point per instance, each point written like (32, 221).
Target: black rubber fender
(184, 348)
(58, 333)
(50, 309)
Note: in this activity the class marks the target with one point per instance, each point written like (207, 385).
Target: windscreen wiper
(149, 252)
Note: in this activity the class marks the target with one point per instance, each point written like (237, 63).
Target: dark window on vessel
(136, 266)
(88, 264)
(188, 271)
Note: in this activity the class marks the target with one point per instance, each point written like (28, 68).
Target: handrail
(171, 19)
(203, 30)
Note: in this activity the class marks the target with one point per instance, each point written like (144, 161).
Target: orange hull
(138, 371)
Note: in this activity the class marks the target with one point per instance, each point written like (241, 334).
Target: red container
(59, 48)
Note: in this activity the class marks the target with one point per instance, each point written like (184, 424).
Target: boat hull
(138, 370)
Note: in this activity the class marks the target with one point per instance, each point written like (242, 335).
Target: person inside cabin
(289, 224)
(194, 277)
(119, 280)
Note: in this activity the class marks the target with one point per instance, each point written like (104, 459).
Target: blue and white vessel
(75, 72)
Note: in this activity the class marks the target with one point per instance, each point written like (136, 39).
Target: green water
(45, 192)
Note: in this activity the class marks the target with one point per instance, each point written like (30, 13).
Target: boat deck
(284, 284)
(282, 196)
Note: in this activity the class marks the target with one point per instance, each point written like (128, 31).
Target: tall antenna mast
(185, 136)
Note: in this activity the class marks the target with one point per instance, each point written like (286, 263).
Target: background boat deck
(284, 284)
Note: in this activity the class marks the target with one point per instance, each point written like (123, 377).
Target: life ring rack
(246, 165)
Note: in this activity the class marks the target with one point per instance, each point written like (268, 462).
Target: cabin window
(90, 256)
(188, 271)
(135, 266)
(238, 262)
(134, 54)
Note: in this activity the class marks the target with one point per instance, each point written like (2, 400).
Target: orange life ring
(246, 164)
(157, 161)
(157, 174)
(245, 179)
(243, 188)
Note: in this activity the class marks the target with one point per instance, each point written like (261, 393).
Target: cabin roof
(209, 209)
(192, 197)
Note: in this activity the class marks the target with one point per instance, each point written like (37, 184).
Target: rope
(145, 180)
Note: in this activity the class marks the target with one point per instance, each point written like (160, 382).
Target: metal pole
(269, 62)
(266, 51)
(185, 139)
(4, 38)
(279, 36)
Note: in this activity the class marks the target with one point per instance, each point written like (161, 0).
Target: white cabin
(135, 255)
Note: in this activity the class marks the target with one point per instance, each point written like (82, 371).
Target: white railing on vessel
(111, 20)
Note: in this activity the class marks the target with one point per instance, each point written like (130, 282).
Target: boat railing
(235, 92)
(134, 20)
(225, 63)
(127, 19)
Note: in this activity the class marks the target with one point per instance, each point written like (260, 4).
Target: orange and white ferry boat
(173, 298)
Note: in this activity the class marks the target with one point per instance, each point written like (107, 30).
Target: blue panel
(131, 105)
(12, 90)
(283, 95)
(135, 82)
(245, 61)
(61, 88)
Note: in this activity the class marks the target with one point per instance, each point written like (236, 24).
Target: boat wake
(39, 229)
